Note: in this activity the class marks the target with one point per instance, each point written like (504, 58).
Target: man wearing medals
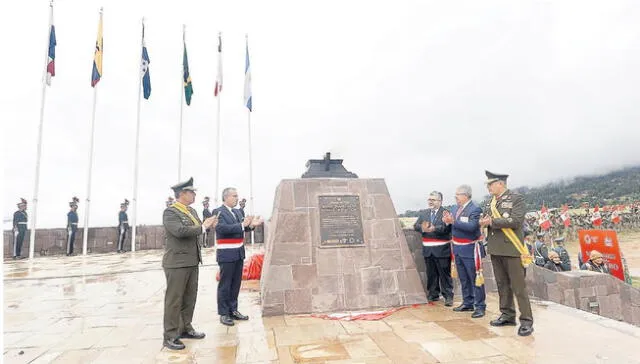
(180, 263)
(503, 218)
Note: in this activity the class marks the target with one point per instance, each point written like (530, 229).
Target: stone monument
(335, 244)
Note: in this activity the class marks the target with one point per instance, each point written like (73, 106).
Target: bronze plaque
(340, 221)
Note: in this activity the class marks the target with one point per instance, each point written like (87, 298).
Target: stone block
(273, 310)
(386, 259)
(610, 306)
(635, 315)
(327, 261)
(409, 282)
(327, 303)
(383, 229)
(284, 197)
(584, 304)
(352, 284)
(290, 253)
(634, 296)
(554, 293)
(587, 292)
(274, 297)
(280, 278)
(297, 301)
(389, 282)
(570, 298)
(293, 227)
(329, 285)
(383, 207)
(304, 276)
(388, 300)
(601, 290)
(371, 280)
(300, 196)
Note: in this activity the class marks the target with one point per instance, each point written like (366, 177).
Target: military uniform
(563, 253)
(180, 263)
(72, 225)
(540, 251)
(206, 213)
(20, 220)
(505, 257)
(123, 225)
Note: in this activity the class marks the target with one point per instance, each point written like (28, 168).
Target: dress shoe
(192, 335)
(226, 320)
(434, 299)
(477, 314)
(503, 321)
(463, 308)
(173, 344)
(448, 302)
(525, 330)
(238, 316)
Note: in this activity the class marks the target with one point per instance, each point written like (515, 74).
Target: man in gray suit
(180, 262)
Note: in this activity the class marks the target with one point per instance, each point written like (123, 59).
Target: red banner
(606, 242)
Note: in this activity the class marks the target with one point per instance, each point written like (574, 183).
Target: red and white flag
(545, 223)
(218, 88)
(615, 216)
(564, 215)
(596, 219)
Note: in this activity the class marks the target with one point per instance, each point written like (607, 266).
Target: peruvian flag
(615, 216)
(218, 87)
(596, 219)
(545, 223)
(566, 220)
(51, 65)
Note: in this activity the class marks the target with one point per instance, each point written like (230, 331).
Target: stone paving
(108, 309)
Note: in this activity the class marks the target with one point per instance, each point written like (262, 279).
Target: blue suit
(230, 257)
(466, 229)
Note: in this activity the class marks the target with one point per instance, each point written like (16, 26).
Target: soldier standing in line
(123, 225)
(563, 253)
(20, 220)
(72, 224)
(206, 213)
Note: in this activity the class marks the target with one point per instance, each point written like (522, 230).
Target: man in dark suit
(467, 251)
(230, 254)
(436, 249)
(180, 262)
(504, 217)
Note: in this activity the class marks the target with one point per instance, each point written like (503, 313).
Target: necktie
(459, 211)
(433, 216)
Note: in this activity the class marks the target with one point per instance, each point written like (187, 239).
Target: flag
(615, 216)
(186, 78)
(96, 75)
(596, 219)
(248, 102)
(144, 69)
(545, 224)
(51, 65)
(218, 88)
(565, 216)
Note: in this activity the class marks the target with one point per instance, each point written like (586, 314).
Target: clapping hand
(485, 221)
(447, 218)
(256, 221)
(247, 221)
(210, 222)
(427, 227)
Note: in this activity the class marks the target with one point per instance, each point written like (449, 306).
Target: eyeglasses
(432, 199)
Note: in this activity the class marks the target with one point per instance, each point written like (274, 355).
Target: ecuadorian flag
(186, 78)
(97, 57)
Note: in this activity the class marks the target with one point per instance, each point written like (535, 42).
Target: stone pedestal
(308, 271)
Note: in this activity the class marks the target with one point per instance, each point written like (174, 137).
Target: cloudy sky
(426, 94)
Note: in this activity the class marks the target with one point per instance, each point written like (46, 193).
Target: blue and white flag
(144, 69)
(247, 81)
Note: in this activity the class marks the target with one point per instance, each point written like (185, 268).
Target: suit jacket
(512, 209)
(181, 249)
(230, 227)
(442, 232)
(466, 226)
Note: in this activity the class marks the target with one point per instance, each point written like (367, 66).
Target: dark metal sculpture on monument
(327, 168)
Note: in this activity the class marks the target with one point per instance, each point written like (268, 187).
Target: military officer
(540, 251)
(20, 220)
(170, 201)
(503, 218)
(563, 253)
(72, 224)
(230, 255)
(123, 225)
(206, 213)
(180, 263)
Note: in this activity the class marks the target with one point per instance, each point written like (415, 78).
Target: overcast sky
(425, 94)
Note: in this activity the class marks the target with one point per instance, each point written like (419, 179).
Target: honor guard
(123, 225)
(72, 224)
(19, 228)
(206, 213)
(169, 201)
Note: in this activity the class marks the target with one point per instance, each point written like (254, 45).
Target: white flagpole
(134, 206)
(217, 195)
(85, 234)
(32, 235)
(250, 152)
(181, 107)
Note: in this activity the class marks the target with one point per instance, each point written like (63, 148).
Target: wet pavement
(108, 309)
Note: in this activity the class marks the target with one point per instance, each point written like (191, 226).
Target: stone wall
(597, 293)
(101, 240)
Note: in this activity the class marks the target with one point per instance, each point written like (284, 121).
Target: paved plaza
(108, 309)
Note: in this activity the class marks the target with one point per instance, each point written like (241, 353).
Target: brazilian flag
(186, 78)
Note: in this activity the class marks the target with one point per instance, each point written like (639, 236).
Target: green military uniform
(505, 258)
(180, 262)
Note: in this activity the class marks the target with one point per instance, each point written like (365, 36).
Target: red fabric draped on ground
(252, 270)
(366, 316)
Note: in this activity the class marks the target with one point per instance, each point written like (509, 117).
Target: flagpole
(36, 185)
(181, 106)
(85, 235)
(134, 206)
(219, 95)
(250, 152)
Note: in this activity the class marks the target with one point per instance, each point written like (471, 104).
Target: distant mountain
(618, 187)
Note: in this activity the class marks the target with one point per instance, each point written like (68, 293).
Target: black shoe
(226, 320)
(463, 308)
(525, 330)
(434, 299)
(173, 344)
(477, 314)
(192, 335)
(448, 302)
(503, 321)
(238, 316)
